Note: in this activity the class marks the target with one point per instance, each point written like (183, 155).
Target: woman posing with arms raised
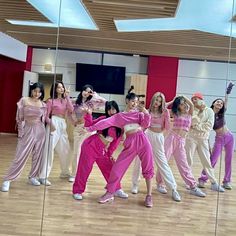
(224, 139)
(136, 143)
(160, 121)
(182, 110)
(87, 99)
(98, 148)
(30, 118)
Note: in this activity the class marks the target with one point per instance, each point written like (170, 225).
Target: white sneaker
(175, 195)
(120, 193)
(216, 187)
(134, 189)
(77, 196)
(161, 189)
(34, 182)
(71, 179)
(6, 186)
(45, 182)
(197, 192)
(227, 186)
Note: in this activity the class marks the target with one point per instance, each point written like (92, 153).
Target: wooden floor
(28, 210)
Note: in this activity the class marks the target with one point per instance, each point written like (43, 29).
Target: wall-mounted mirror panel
(178, 48)
(23, 27)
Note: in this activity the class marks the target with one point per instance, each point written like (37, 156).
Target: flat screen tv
(103, 78)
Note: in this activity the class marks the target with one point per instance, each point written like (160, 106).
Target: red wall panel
(11, 80)
(162, 76)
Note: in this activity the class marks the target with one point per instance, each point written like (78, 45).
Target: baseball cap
(198, 95)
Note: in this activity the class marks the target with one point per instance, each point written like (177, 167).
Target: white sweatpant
(157, 142)
(80, 134)
(202, 146)
(59, 141)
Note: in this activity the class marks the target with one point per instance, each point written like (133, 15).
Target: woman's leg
(217, 150)
(229, 148)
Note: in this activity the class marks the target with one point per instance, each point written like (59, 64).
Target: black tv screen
(103, 78)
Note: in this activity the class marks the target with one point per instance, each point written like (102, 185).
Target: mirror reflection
(130, 90)
(22, 131)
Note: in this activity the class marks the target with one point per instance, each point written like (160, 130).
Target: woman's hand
(52, 128)
(67, 91)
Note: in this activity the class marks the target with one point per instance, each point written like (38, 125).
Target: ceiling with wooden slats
(183, 43)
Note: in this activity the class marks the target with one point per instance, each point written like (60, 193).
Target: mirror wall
(203, 62)
(206, 65)
(22, 205)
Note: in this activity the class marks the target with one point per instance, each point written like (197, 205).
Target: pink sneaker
(148, 201)
(107, 197)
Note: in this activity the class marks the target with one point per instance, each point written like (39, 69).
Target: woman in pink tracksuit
(98, 148)
(30, 118)
(136, 143)
(182, 110)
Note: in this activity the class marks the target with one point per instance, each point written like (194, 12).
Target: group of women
(95, 140)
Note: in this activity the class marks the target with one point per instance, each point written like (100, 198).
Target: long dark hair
(53, 90)
(37, 85)
(80, 97)
(175, 106)
(108, 106)
(222, 110)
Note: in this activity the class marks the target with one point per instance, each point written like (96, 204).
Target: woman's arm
(20, 117)
(191, 106)
(97, 101)
(166, 119)
(114, 144)
(88, 119)
(69, 105)
(228, 91)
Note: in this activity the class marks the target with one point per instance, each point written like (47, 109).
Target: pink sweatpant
(32, 142)
(175, 145)
(92, 150)
(135, 144)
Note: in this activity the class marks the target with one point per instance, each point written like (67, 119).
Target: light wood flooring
(29, 210)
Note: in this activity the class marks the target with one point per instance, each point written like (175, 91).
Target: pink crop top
(161, 121)
(182, 122)
(29, 114)
(58, 107)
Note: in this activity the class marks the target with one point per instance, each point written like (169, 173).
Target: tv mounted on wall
(103, 78)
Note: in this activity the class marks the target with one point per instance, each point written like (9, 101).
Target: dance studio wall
(209, 78)
(66, 65)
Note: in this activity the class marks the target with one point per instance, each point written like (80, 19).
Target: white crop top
(131, 127)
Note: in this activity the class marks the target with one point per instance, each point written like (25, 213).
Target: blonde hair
(163, 103)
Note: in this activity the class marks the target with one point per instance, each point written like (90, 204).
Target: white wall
(12, 48)
(209, 78)
(66, 65)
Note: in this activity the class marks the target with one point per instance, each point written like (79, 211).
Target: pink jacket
(121, 119)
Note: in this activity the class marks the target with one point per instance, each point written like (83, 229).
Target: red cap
(198, 95)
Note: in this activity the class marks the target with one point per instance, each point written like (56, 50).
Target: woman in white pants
(160, 121)
(58, 106)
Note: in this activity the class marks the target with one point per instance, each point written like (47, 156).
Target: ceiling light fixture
(73, 15)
